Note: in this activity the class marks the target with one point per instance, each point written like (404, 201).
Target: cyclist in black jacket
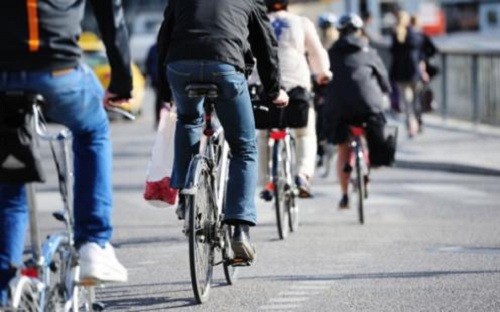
(355, 94)
(40, 53)
(208, 42)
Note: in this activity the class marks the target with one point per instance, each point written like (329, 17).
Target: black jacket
(407, 55)
(359, 81)
(43, 35)
(228, 31)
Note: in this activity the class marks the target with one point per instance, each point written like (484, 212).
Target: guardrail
(468, 85)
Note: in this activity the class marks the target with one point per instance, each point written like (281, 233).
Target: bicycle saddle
(209, 90)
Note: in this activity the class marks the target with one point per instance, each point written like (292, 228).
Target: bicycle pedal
(98, 306)
(238, 262)
(89, 282)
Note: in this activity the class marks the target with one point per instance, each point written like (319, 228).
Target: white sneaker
(100, 264)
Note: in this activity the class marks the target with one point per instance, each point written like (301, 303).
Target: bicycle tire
(360, 184)
(202, 217)
(230, 271)
(292, 207)
(279, 190)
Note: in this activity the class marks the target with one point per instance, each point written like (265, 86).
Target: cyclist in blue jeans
(208, 42)
(40, 53)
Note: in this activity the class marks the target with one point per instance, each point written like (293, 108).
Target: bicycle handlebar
(41, 129)
(120, 111)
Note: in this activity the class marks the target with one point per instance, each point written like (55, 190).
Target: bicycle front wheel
(202, 219)
(279, 179)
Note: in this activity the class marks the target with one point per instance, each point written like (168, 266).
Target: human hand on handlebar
(118, 105)
(323, 79)
(282, 99)
(112, 99)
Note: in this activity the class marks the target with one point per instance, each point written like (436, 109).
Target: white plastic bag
(158, 191)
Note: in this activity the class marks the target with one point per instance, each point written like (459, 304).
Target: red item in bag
(160, 190)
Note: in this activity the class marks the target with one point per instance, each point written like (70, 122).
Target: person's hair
(276, 5)
(403, 21)
(414, 20)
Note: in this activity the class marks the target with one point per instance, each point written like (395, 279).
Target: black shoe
(180, 211)
(266, 195)
(344, 202)
(240, 242)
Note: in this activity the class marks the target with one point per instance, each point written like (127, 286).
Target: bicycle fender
(192, 179)
(49, 247)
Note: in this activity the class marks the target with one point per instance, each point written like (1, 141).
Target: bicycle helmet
(326, 20)
(349, 21)
(276, 5)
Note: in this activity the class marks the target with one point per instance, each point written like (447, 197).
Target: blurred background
(467, 33)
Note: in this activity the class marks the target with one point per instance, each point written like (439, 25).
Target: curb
(446, 167)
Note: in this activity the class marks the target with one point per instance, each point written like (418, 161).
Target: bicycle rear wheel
(202, 218)
(360, 185)
(279, 179)
(60, 282)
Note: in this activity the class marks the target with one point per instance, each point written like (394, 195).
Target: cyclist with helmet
(301, 54)
(40, 53)
(328, 31)
(208, 42)
(354, 95)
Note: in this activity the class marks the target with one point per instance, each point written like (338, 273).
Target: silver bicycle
(205, 192)
(49, 279)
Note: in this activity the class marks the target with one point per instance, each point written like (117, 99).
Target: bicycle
(204, 197)
(281, 166)
(281, 171)
(359, 161)
(49, 279)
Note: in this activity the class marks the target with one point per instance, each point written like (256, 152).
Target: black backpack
(19, 154)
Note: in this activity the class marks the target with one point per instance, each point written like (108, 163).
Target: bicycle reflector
(357, 131)
(30, 272)
(277, 134)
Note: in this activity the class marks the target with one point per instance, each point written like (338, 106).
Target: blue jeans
(74, 100)
(234, 110)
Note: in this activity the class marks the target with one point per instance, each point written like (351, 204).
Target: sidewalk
(452, 146)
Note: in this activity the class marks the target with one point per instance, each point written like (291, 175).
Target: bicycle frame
(209, 141)
(38, 272)
(274, 137)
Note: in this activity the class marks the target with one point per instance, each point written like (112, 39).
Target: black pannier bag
(19, 154)
(295, 115)
(381, 141)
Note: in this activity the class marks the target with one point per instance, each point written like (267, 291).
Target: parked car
(95, 56)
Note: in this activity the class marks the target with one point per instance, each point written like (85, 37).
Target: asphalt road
(431, 242)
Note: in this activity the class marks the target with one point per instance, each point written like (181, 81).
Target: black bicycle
(359, 161)
(204, 195)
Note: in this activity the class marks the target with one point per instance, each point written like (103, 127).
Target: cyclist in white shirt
(301, 55)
